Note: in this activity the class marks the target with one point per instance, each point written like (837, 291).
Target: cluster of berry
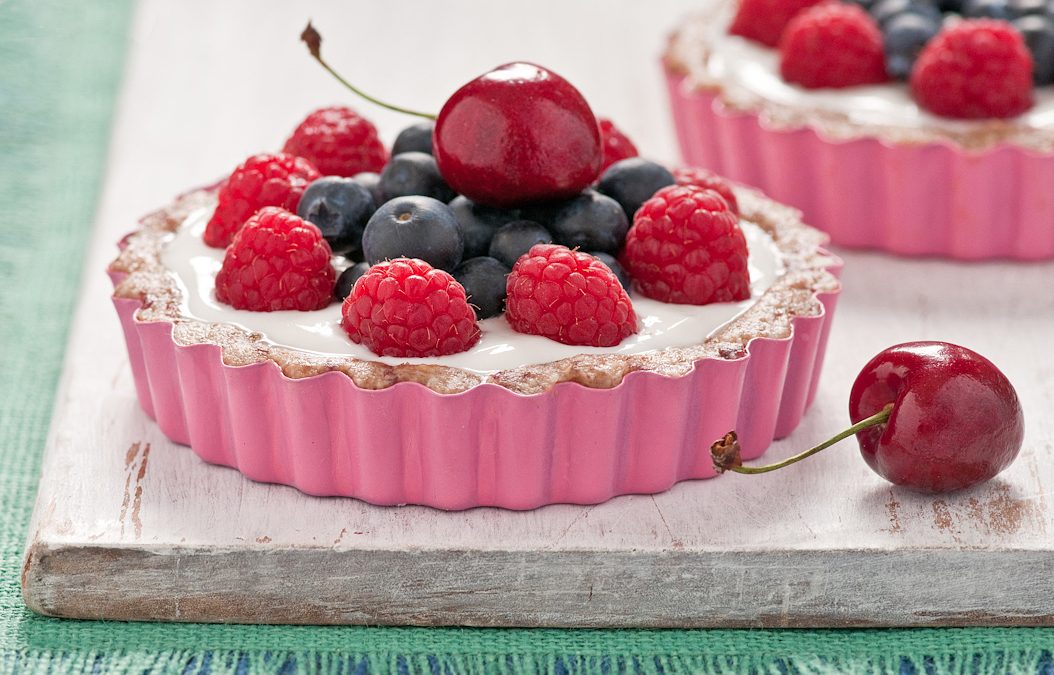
(963, 58)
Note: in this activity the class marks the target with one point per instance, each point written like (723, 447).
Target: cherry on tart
(929, 416)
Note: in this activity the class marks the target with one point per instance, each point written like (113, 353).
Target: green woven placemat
(60, 64)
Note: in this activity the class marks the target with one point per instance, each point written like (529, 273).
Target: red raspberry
(694, 175)
(339, 142)
(277, 261)
(568, 296)
(833, 45)
(974, 69)
(405, 307)
(764, 20)
(616, 145)
(686, 247)
(262, 180)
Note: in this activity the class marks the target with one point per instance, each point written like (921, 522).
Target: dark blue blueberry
(885, 10)
(479, 223)
(633, 181)
(516, 238)
(347, 280)
(904, 36)
(1038, 32)
(414, 174)
(1020, 8)
(415, 138)
(985, 9)
(952, 6)
(414, 227)
(484, 281)
(340, 207)
(592, 222)
(372, 182)
(866, 4)
(614, 266)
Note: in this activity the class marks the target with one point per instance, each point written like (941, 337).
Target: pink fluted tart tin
(865, 164)
(579, 428)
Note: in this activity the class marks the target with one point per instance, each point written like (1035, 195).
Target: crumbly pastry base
(144, 278)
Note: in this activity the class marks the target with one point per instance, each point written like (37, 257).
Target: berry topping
(764, 20)
(832, 45)
(975, 68)
(479, 223)
(903, 38)
(517, 134)
(686, 247)
(262, 180)
(347, 280)
(277, 261)
(633, 181)
(591, 221)
(405, 308)
(568, 296)
(614, 266)
(884, 11)
(414, 173)
(616, 145)
(414, 138)
(693, 175)
(338, 141)
(414, 227)
(516, 238)
(484, 280)
(340, 207)
(372, 182)
(985, 9)
(1038, 33)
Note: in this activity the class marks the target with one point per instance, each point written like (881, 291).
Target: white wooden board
(130, 526)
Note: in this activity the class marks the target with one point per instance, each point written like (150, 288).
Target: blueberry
(372, 182)
(414, 174)
(954, 6)
(347, 280)
(986, 9)
(479, 223)
(414, 227)
(415, 138)
(633, 181)
(614, 266)
(885, 10)
(904, 36)
(516, 238)
(1020, 8)
(340, 207)
(1038, 32)
(591, 221)
(866, 4)
(484, 281)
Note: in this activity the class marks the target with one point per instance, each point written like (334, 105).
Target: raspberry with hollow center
(262, 180)
(686, 247)
(277, 261)
(694, 175)
(568, 296)
(338, 141)
(976, 68)
(615, 144)
(406, 308)
(832, 45)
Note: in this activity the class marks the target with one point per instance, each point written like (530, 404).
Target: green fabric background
(60, 67)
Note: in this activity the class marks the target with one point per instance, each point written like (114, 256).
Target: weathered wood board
(130, 526)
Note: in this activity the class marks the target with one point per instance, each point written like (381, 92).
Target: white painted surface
(129, 525)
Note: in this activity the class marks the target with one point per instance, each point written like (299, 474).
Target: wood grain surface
(131, 526)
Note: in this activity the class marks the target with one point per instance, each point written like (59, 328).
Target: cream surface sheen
(660, 324)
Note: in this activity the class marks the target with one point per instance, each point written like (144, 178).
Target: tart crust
(143, 277)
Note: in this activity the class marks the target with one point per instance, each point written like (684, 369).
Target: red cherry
(955, 419)
(517, 134)
(930, 416)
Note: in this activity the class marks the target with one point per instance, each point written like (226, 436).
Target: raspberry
(277, 261)
(339, 142)
(686, 247)
(615, 144)
(764, 20)
(693, 175)
(974, 69)
(833, 45)
(568, 296)
(405, 307)
(262, 180)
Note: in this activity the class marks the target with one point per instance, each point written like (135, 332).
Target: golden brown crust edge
(793, 294)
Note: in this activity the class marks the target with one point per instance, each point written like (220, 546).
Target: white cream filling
(661, 324)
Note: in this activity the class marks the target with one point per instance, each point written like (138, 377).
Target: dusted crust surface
(143, 277)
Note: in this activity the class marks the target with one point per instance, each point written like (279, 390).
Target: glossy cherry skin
(955, 422)
(517, 134)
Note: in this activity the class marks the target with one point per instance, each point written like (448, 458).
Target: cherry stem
(729, 447)
(313, 40)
